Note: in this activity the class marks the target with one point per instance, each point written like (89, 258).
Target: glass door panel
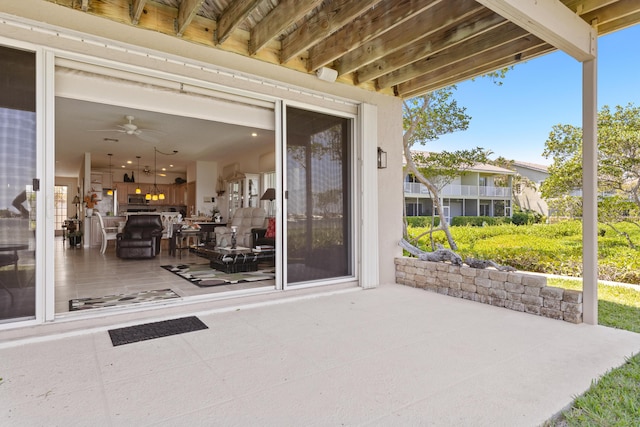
(17, 195)
(318, 162)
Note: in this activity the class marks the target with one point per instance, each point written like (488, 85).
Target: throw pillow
(271, 228)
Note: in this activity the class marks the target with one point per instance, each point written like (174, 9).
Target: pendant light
(138, 190)
(110, 190)
(155, 194)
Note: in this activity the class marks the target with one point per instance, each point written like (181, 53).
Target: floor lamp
(269, 195)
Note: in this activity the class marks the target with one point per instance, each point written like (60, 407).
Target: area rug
(204, 276)
(121, 299)
(149, 331)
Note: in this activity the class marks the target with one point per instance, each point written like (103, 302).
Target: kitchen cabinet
(177, 194)
(123, 191)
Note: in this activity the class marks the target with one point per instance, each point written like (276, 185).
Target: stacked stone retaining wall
(513, 290)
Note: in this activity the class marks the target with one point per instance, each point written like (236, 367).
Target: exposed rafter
(442, 15)
(470, 48)
(474, 65)
(276, 22)
(232, 17)
(186, 12)
(137, 7)
(442, 39)
(396, 47)
(377, 21)
(329, 19)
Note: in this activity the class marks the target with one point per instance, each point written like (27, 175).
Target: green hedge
(422, 221)
(479, 221)
(546, 248)
(527, 217)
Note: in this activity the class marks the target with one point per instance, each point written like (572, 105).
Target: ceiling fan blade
(105, 130)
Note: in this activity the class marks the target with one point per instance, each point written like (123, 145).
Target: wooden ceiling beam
(500, 55)
(427, 46)
(235, 13)
(285, 14)
(614, 12)
(472, 47)
(586, 6)
(137, 7)
(442, 15)
(329, 19)
(551, 21)
(489, 67)
(619, 24)
(382, 18)
(186, 12)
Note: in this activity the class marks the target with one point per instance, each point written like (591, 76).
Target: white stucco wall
(389, 109)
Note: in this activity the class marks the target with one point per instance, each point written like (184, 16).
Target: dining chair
(108, 233)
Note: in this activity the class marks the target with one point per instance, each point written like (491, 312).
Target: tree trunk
(434, 192)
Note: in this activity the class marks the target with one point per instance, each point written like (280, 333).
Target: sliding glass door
(319, 199)
(17, 192)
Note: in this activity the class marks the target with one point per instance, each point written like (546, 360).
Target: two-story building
(483, 190)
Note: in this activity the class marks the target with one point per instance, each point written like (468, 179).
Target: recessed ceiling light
(254, 134)
(129, 162)
(123, 166)
(164, 169)
(170, 166)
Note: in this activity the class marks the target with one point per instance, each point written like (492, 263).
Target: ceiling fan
(130, 128)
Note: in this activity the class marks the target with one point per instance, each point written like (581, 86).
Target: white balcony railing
(455, 190)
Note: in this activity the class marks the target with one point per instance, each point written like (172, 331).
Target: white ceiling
(194, 139)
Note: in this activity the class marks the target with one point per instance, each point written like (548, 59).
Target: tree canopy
(426, 118)
(618, 155)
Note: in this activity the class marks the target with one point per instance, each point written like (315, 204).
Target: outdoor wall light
(327, 74)
(382, 158)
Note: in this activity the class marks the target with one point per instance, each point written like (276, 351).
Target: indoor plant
(90, 201)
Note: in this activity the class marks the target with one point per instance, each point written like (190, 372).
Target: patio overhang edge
(551, 21)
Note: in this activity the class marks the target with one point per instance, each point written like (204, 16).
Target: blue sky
(514, 120)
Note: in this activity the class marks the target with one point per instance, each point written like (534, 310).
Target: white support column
(369, 254)
(590, 191)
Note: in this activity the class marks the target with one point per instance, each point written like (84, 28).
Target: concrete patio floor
(387, 356)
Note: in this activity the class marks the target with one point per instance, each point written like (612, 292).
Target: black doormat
(149, 331)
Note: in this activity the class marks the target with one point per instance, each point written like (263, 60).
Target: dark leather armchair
(140, 237)
(259, 238)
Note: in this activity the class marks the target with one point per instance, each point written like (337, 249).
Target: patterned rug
(204, 276)
(122, 299)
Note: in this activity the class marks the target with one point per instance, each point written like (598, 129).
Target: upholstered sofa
(245, 219)
(140, 237)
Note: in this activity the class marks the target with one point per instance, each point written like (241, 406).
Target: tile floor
(81, 273)
(382, 357)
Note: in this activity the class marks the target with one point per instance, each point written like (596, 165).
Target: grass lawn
(614, 400)
(618, 306)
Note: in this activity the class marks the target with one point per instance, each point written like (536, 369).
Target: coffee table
(238, 260)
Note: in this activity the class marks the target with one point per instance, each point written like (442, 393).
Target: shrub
(479, 221)
(422, 221)
(547, 248)
(526, 218)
